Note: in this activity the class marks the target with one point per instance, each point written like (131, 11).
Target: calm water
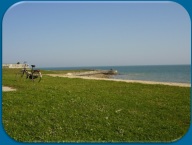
(161, 73)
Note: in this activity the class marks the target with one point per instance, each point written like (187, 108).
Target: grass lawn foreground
(78, 110)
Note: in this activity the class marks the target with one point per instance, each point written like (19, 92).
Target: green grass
(77, 110)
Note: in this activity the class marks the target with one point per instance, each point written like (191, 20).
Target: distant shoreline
(156, 73)
(121, 80)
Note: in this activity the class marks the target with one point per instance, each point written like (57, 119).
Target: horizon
(114, 66)
(100, 65)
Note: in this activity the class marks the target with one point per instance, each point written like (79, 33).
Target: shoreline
(120, 80)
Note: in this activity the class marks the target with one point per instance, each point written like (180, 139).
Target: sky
(72, 34)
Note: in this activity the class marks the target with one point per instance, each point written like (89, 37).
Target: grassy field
(78, 110)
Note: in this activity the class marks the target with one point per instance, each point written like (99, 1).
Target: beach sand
(101, 77)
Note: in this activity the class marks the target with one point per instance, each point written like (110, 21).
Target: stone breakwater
(95, 73)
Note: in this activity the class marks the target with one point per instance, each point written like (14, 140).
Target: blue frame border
(5, 139)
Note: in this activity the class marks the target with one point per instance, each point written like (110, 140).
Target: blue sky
(59, 34)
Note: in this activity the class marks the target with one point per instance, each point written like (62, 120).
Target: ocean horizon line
(114, 65)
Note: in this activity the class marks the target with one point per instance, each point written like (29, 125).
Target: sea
(158, 73)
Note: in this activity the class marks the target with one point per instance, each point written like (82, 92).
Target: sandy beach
(101, 77)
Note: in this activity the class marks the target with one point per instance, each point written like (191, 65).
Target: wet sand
(101, 77)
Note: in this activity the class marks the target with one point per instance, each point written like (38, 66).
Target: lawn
(78, 110)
